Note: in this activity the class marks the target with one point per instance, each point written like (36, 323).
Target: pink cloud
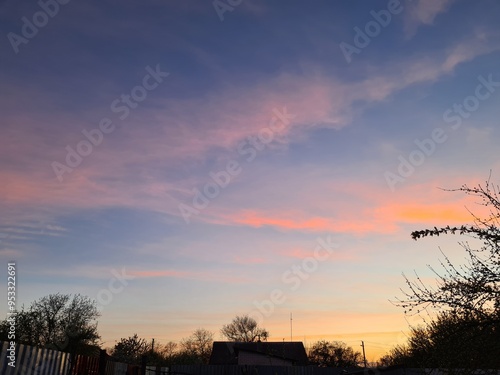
(129, 167)
(308, 224)
(352, 207)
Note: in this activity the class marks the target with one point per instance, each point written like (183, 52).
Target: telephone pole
(364, 356)
(291, 336)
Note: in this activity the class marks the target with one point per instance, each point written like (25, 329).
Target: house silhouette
(258, 353)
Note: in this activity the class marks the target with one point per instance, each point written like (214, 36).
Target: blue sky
(171, 94)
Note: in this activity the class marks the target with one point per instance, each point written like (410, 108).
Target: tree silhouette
(449, 341)
(244, 329)
(130, 350)
(473, 287)
(58, 321)
(466, 297)
(197, 347)
(333, 354)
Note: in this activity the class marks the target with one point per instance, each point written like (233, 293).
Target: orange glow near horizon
(374, 330)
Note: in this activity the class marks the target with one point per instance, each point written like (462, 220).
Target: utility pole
(364, 356)
(291, 336)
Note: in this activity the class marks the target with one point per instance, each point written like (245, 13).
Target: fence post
(103, 359)
(144, 362)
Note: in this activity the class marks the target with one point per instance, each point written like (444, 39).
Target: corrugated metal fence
(30, 360)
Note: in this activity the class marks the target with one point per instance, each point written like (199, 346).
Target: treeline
(452, 340)
(197, 348)
(69, 323)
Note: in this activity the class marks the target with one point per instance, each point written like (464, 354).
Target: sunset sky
(184, 162)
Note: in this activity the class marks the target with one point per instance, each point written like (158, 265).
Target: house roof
(224, 352)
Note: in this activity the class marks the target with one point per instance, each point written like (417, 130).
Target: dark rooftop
(225, 352)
